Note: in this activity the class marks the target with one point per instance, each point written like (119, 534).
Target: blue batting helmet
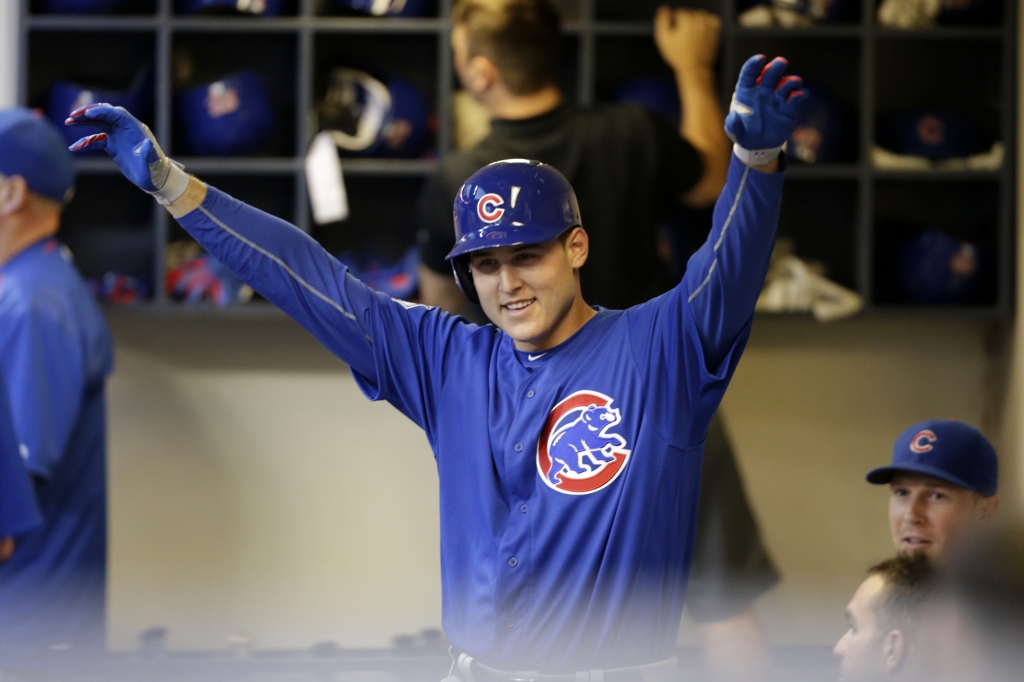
(817, 137)
(654, 93)
(367, 117)
(970, 11)
(936, 267)
(388, 8)
(815, 10)
(930, 132)
(81, 6)
(263, 8)
(510, 202)
(231, 116)
(66, 96)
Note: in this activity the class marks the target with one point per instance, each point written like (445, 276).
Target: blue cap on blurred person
(949, 450)
(32, 148)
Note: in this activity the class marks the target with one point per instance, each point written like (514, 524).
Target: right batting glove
(764, 109)
(133, 147)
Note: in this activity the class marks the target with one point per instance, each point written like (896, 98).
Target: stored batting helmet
(66, 96)
(232, 116)
(812, 10)
(654, 93)
(388, 8)
(930, 132)
(263, 8)
(510, 202)
(81, 6)
(936, 267)
(817, 137)
(367, 117)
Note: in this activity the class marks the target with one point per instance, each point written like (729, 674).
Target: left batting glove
(764, 110)
(134, 149)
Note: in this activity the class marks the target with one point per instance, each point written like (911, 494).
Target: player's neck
(505, 105)
(21, 230)
(578, 315)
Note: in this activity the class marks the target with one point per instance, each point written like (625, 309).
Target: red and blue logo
(487, 209)
(579, 451)
(922, 442)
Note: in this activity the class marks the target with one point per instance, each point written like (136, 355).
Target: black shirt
(629, 169)
(731, 568)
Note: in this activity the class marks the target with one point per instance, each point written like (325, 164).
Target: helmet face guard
(367, 117)
(507, 203)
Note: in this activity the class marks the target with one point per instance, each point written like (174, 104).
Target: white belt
(661, 671)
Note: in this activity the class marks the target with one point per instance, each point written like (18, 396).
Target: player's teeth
(517, 306)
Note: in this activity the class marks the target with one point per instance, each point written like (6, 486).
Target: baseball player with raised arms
(568, 439)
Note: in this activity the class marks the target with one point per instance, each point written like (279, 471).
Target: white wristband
(174, 186)
(756, 157)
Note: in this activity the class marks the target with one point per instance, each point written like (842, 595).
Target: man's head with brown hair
(884, 618)
(979, 609)
(515, 41)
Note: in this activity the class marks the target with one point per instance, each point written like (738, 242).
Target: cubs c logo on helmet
(578, 451)
(487, 208)
(922, 442)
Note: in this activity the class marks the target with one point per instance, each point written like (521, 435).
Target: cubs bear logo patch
(579, 451)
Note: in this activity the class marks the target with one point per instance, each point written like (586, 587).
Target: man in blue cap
(943, 481)
(55, 353)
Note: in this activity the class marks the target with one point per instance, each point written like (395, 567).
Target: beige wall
(1008, 400)
(254, 489)
(9, 53)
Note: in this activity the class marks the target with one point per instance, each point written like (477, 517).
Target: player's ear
(987, 507)
(480, 75)
(13, 194)
(894, 650)
(578, 247)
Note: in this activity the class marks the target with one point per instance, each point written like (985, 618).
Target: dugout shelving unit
(841, 214)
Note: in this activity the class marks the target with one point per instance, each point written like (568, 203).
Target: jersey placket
(515, 566)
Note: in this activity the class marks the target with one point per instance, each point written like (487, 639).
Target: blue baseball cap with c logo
(32, 148)
(950, 450)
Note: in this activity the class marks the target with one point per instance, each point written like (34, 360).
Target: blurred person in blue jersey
(19, 513)
(55, 353)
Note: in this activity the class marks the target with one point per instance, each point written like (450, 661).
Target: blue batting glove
(764, 110)
(134, 149)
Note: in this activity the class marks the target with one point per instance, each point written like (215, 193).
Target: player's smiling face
(532, 291)
(927, 514)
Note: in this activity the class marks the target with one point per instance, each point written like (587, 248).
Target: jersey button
(519, 447)
(531, 393)
(513, 562)
(509, 622)
(523, 508)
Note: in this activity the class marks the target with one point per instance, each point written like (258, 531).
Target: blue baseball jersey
(19, 512)
(569, 479)
(55, 352)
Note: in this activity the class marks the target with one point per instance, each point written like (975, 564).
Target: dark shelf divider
(590, 25)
